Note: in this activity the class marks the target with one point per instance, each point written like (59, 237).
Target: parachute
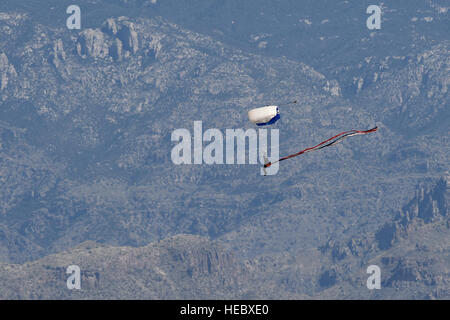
(327, 143)
(264, 116)
(267, 115)
(270, 114)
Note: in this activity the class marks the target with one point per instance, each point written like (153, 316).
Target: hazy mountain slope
(177, 268)
(86, 118)
(114, 152)
(413, 261)
(412, 252)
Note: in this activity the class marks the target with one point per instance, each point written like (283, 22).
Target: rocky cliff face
(407, 250)
(116, 39)
(428, 206)
(7, 71)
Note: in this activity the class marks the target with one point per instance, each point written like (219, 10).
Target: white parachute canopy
(264, 115)
(267, 115)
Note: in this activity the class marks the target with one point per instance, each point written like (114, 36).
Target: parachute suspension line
(288, 103)
(327, 143)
